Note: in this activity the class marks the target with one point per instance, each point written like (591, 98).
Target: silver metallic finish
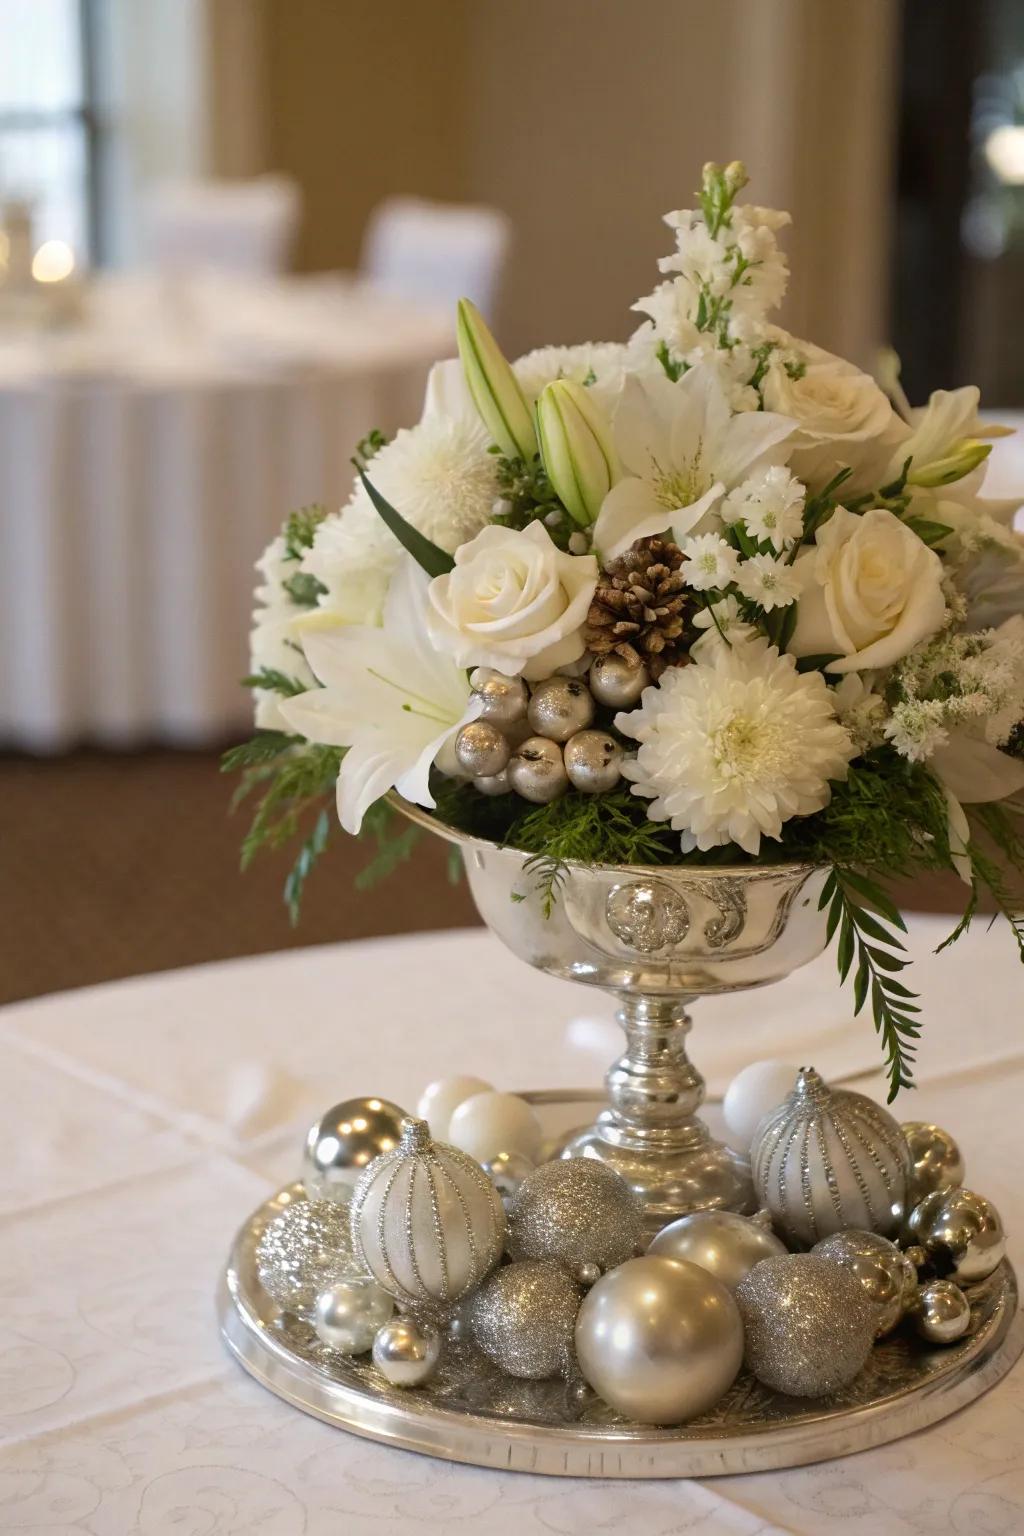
(406, 1351)
(304, 1249)
(808, 1324)
(593, 762)
(576, 1212)
(348, 1314)
(887, 1276)
(506, 1172)
(615, 683)
(481, 750)
(725, 1244)
(504, 698)
(344, 1142)
(961, 1232)
(494, 784)
(942, 1313)
(536, 770)
(648, 915)
(659, 1340)
(523, 1318)
(937, 1162)
(559, 707)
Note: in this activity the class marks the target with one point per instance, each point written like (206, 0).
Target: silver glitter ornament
(344, 1142)
(493, 784)
(887, 1276)
(427, 1222)
(481, 750)
(659, 1340)
(726, 1245)
(615, 683)
(523, 1318)
(506, 1172)
(536, 770)
(559, 707)
(961, 1232)
(348, 1314)
(593, 761)
(304, 1249)
(406, 1351)
(504, 698)
(576, 1211)
(941, 1313)
(936, 1160)
(808, 1324)
(828, 1159)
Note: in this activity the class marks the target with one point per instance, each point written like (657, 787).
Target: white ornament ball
(617, 683)
(536, 770)
(559, 707)
(348, 1314)
(752, 1094)
(490, 1123)
(726, 1245)
(440, 1099)
(406, 1351)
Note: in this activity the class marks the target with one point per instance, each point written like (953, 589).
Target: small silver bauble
(961, 1232)
(504, 698)
(808, 1324)
(303, 1249)
(576, 1211)
(506, 1171)
(593, 762)
(493, 783)
(559, 707)
(523, 1318)
(942, 1313)
(936, 1160)
(617, 683)
(536, 770)
(349, 1312)
(887, 1276)
(406, 1351)
(481, 750)
(659, 1340)
(345, 1142)
(726, 1245)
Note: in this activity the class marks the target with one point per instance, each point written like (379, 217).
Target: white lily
(576, 448)
(946, 441)
(389, 697)
(495, 389)
(681, 449)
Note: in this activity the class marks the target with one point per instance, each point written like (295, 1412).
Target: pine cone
(639, 608)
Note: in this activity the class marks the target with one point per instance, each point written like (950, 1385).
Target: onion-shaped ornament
(427, 1222)
(830, 1159)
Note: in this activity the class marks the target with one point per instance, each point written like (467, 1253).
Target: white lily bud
(494, 387)
(964, 456)
(576, 448)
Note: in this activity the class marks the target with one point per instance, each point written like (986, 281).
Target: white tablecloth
(143, 1121)
(147, 455)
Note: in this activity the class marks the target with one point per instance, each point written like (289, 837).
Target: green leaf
(844, 954)
(273, 681)
(428, 556)
(304, 589)
(309, 853)
(877, 897)
(261, 748)
(928, 532)
(875, 930)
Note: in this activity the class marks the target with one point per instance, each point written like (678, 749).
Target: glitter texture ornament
(726, 1245)
(427, 1222)
(481, 750)
(593, 762)
(348, 1314)
(523, 1318)
(406, 1351)
(303, 1250)
(961, 1232)
(344, 1142)
(536, 770)
(828, 1159)
(888, 1277)
(559, 707)
(808, 1324)
(504, 699)
(577, 1212)
(941, 1312)
(936, 1160)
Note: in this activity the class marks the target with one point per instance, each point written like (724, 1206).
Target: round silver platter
(469, 1412)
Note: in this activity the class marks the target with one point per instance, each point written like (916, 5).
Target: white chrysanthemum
(353, 557)
(722, 625)
(274, 642)
(601, 365)
(770, 505)
(732, 747)
(709, 564)
(768, 581)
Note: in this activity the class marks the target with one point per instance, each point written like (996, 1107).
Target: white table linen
(143, 1121)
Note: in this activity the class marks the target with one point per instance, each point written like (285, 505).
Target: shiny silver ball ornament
(593, 761)
(659, 1340)
(961, 1232)
(887, 1276)
(936, 1160)
(523, 1318)
(576, 1211)
(506, 1172)
(559, 707)
(481, 750)
(808, 1324)
(406, 1351)
(303, 1249)
(349, 1313)
(588, 1275)
(726, 1245)
(942, 1313)
(536, 770)
(493, 783)
(344, 1142)
(916, 1255)
(617, 683)
(504, 698)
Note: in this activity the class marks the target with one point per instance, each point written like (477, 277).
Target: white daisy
(710, 563)
(768, 581)
(770, 505)
(723, 625)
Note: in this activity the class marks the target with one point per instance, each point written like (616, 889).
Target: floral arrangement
(709, 595)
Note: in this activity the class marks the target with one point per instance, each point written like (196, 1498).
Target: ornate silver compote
(658, 938)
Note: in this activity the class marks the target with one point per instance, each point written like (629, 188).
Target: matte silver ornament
(406, 1351)
(504, 698)
(481, 750)
(506, 1171)
(830, 1159)
(961, 1232)
(593, 761)
(344, 1142)
(523, 1318)
(659, 1340)
(941, 1313)
(576, 1211)
(348, 1314)
(559, 707)
(808, 1324)
(304, 1249)
(615, 683)
(493, 784)
(726, 1245)
(536, 770)
(936, 1160)
(887, 1276)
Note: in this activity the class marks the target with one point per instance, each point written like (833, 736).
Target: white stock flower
(709, 562)
(771, 583)
(733, 746)
(722, 625)
(843, 418)
(770, 505)
(274, 643)
(600, 365)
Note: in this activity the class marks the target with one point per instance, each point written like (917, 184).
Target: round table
(144, 1120)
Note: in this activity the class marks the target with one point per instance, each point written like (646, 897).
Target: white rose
(870, 592)
(843, 418)
(514, 601)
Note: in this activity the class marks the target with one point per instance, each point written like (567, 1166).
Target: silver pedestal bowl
(657, 938)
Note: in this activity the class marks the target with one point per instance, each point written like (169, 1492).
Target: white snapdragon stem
(493, 386)
(576, 448)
